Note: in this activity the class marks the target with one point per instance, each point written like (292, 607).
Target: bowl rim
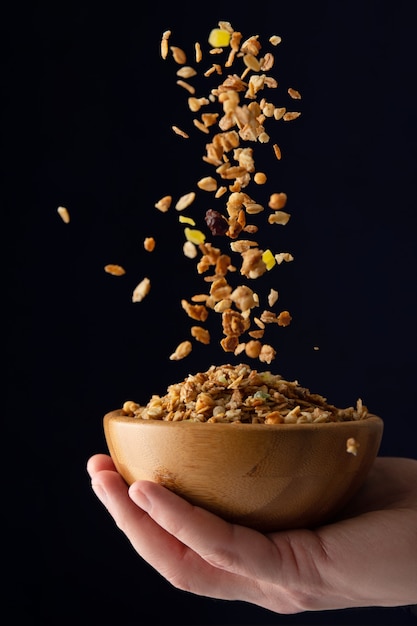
(372, 421)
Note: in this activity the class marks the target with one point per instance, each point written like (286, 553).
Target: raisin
(216, 222)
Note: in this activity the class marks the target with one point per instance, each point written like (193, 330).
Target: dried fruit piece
(219, 38)
(217, 224)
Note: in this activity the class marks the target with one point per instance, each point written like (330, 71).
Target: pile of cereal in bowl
(240, 394)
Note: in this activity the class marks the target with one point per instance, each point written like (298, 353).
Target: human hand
(368, 557)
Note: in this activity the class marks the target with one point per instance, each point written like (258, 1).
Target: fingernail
(136, 494)
(100, 492)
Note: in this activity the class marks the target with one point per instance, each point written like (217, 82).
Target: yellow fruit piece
(194, 235)
(269, 259)
(219, 38)
(186, 220)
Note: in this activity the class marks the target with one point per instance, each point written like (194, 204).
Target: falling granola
(234, 114)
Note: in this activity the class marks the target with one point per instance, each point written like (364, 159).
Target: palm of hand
(366, 557)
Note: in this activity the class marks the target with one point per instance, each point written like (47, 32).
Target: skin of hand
(368, 557)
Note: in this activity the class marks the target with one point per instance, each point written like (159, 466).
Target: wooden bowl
(268, 477)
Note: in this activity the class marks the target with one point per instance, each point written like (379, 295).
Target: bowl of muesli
(247, 445)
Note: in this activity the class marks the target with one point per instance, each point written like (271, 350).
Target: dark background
(87, 109)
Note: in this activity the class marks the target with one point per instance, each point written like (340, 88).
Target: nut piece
(141, 290)
(181, 351)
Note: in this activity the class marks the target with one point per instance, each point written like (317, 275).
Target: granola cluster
(234, 115)
(239, 394)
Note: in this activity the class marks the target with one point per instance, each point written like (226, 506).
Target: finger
(232, 548)
(99, 462)
(176, 562)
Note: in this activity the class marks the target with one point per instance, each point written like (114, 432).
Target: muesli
(238, 394)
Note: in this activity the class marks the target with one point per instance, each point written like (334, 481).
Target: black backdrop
(87, 107)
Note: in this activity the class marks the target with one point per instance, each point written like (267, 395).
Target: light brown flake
(277, 151)
(284, 318)
(352, 446)
(275, 40)
(164, 204)
(114, 269)
(186, 72)
(195, 311)
(277, 201)
(141, 290)
(200, 334)
(294, 94)
(272, 297)
(198, 52)
(283, 256)
(279, 217)
(64, 214)
(187, 86)
(181, 351)
(164, 43)
(185, 201)
(291, 115)
(178, 55)
(180, 132)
